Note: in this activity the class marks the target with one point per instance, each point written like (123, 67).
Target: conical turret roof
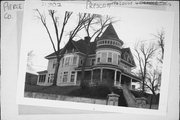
(110, 33)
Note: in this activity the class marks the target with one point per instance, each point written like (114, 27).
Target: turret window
(109, 57)
(119, 59)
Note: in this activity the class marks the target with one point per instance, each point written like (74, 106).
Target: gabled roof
(110, 33)
(52, 54)
(127, 50)
(80, 45)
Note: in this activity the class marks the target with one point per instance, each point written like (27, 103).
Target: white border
(52, 103)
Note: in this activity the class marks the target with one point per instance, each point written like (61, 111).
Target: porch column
(120, 79)
(101, 72)
(75, 81)
(91, 76)
(131, 83)
(115, 73)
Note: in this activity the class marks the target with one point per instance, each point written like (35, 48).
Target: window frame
(65, 75)
(72, 74)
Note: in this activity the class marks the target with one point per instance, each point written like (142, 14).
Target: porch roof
(111, 67)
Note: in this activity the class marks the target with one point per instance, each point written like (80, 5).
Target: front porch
(108, 77)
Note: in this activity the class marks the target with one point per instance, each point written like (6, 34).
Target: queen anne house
(107, 63)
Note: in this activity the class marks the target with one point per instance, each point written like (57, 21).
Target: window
(74, 60)
(52, 78)
(67, 61)
(109, 57)
(98, 57)
(81, 61)
(65, 77)
(42, 78)
(119, 59)
(133, 87)
(103, 57)
(48, 77)
(92, 61)
(72, 76)
(54, 64)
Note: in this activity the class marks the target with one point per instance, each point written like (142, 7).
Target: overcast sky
(133, 26)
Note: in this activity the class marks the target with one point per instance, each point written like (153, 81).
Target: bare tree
(152, 83)
(160, 36)
(144, 56)
(101, 23)
(58, 34)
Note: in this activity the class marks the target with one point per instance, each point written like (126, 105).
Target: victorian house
(107, 63)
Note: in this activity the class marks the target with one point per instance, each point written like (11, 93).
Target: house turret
(108, 47)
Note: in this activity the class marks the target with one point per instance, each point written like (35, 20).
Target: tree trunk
(83, 83)
(56, 72)
(151, 102)
(153, 97)
(143, 85)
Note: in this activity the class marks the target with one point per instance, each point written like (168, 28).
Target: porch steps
(129, 97)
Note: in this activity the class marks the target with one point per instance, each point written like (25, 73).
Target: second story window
(54, 64)
(67, 61)
(109, 57)
(92, 61)
(74, 60)
(98, 57)
(119, 59)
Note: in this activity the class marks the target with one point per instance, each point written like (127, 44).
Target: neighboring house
(42, 77)
(108, 62)
(31, 78)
